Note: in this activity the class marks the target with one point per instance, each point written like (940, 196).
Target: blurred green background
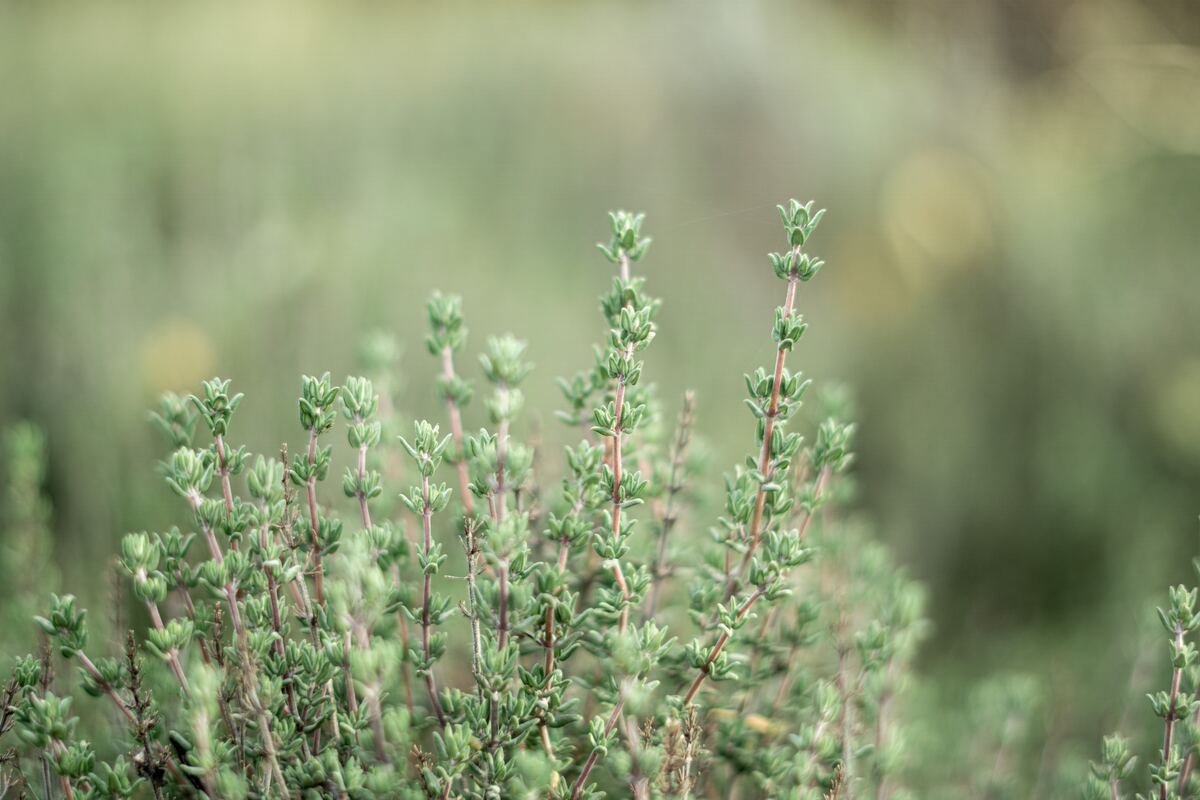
(189, 189)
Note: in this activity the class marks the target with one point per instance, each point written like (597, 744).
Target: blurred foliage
(1011, 185)
(26, 535)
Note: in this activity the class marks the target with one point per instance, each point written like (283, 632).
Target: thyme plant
(498, 633)
(1170, 773)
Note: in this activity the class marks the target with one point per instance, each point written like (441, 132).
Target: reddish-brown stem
(214, 547)
(363, 510)
(764, 458)
(802, 531)
(108, 689)
(427, 599)
(742, 611)
(59, 748)
(190, 608)
(172, 654)
(563, 553)
(314, 521)
(618, 573)
(226, 488)
(1169, 732)
(590, 764)
(264, 538)
(240, 636)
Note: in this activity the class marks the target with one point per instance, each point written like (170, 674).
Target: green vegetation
(302, 645)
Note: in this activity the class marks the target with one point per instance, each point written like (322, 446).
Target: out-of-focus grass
(218, 188)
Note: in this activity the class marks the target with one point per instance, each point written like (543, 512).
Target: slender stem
(1189, 762)
(264, 539)
(172, 654)
(46, 779)
(683, 432)
(297, 585)
(742, 611)
(240, 636)
(363, 510)
(373, 709)
(618, 573)
(59, 748)
(313, 520)
(502, 643)
(1169, 731)
(223, 471)
(805, 523)
(764, 458)
(594, 756)
(223, 468)
(427, 599)
(105, 685)
(564, 552)
(476, 636)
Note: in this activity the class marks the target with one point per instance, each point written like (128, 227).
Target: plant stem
(802, 531)
(1169, 725)
(427, 598)
(764, 458)
(264, 538)
(223, 469)
(108, 689)
(249, 676)
(618, 573)
(476, 636)
(742, 611)
(594, 756)
(374, 711)
(172, 654)
(314, 521)
(683, 435)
